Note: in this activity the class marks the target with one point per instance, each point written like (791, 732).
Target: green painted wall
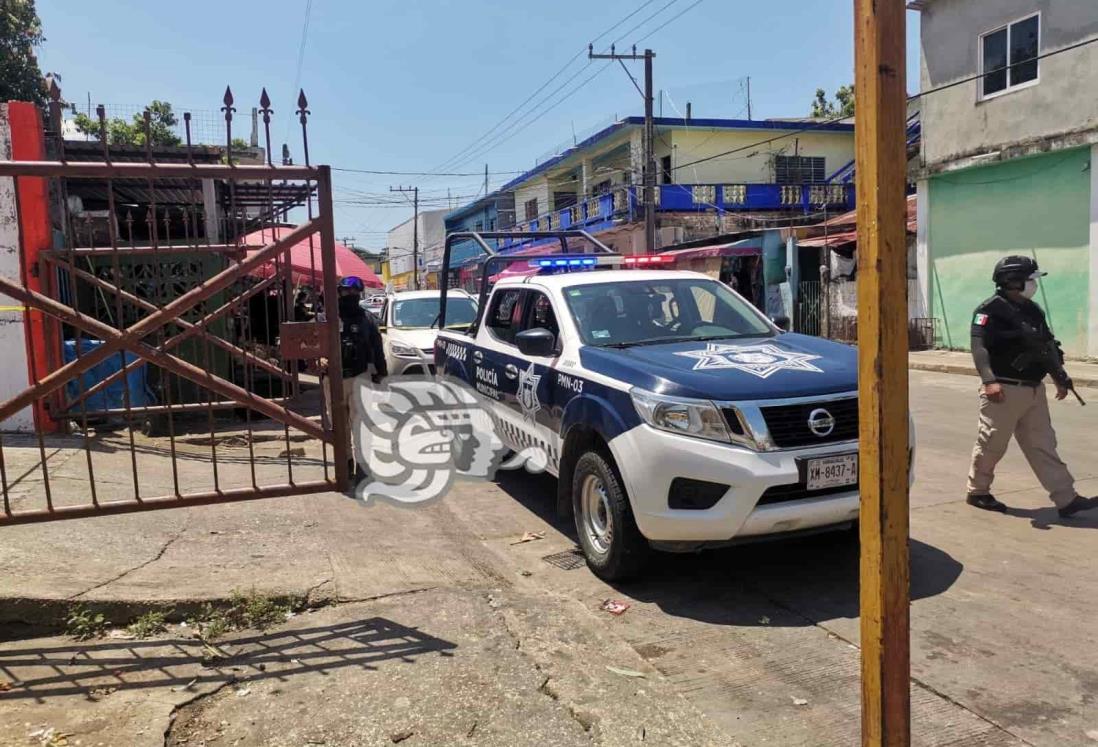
(1038, 206)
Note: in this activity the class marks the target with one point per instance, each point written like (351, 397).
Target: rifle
(1046, 352)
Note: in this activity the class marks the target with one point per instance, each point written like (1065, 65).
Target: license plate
(832, 472)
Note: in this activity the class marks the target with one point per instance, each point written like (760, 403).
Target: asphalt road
(755, 645)
(763, 638)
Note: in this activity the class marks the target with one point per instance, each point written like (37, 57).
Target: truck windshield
(423, 312)
(643, 312)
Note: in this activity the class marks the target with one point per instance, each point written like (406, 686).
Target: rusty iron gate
(174, 281)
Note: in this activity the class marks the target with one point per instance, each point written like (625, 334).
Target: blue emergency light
(564, 262)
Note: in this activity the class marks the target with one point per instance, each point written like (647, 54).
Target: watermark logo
(415, 436)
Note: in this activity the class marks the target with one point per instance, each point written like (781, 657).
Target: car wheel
(614, 547)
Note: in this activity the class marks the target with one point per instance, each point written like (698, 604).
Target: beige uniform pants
(1024, 414)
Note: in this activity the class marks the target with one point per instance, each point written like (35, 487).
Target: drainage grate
(569, 560)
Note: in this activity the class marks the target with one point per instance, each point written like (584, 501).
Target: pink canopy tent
(305, 260)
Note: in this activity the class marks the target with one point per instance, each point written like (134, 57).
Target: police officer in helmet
(360, 349)
(1014, 350)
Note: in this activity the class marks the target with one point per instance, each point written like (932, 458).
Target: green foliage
(251, 610)
(20, 33)
(83, 624)
(842, 106)
(148, 625)
(120, 132)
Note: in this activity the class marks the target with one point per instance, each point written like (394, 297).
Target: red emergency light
(638, 260)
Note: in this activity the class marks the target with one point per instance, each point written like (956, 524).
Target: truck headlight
(401, 350)
(688, 417)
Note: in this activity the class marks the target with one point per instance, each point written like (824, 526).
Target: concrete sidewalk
(1084, 374)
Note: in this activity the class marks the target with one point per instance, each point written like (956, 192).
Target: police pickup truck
(674, 415)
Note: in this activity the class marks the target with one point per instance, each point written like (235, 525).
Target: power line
(300, 61)
(534, 115)
(427, 173)
(913, 97)
(487, 135)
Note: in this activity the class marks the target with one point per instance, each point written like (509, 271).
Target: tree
(20, 32)
(121, 132)
(843, 106)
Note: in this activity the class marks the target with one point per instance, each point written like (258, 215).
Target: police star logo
(758, 360)
(528, 392)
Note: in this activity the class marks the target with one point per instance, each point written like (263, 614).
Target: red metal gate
(182, 365)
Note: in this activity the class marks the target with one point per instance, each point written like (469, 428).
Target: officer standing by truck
(360, 349)
(1014, 350)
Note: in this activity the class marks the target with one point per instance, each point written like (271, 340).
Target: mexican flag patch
(980, 320)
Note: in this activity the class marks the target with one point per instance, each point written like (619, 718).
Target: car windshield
(644, 312)
(423, 312)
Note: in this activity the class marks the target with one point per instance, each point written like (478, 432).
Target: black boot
(1078, 503)
(987, 502)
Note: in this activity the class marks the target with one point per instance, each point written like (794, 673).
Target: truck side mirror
(539, 342)
(782, 322)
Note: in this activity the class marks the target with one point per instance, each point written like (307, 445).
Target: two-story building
(714, 177)
(1009, 161)
(410, 242)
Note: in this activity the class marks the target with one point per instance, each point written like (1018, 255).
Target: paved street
(437, 623)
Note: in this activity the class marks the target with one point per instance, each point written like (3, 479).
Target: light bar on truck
(640, 260)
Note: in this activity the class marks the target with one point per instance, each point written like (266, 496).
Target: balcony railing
(623, 205)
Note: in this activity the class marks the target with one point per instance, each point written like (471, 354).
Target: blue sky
(408, 85)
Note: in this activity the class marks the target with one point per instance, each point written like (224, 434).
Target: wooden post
(879, 42)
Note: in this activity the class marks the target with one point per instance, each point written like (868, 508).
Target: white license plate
(832, 472)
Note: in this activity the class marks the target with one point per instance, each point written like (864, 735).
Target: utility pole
(485, 180)
(748, 98)
(415, 231)
(879, 82)
(649, 174)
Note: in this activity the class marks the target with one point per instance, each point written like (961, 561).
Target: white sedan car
(409, 325)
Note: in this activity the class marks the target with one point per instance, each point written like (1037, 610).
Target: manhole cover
(568, 560)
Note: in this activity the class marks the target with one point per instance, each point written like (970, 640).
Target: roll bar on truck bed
(495, 258)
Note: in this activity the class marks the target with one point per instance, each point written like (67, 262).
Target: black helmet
(1015, 269)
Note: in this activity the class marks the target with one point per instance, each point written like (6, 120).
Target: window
(799, 169)
(539, 313)
(602, 188)
(1008, 56)
(412, 313)
(505, 314)
(643, 312)
(665, 169)
(531, 209)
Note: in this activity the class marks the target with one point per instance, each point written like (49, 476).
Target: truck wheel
(608, 534)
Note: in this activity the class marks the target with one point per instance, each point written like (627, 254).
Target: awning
(835, 239)
(305, 259)
(716, 250)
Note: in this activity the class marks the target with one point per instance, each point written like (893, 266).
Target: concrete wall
(432, 234)
(837, 148)
(1040, 206)
(13, 373)
(956, 123)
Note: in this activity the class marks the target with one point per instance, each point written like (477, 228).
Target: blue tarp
(113, 395)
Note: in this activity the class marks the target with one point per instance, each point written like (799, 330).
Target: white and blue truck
(675, 416)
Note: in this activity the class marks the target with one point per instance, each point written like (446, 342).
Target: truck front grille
(788, 424)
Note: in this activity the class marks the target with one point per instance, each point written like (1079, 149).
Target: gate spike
(228, 109)
(303, 117)
(265, 103)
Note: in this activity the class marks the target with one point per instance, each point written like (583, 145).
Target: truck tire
(613, 546)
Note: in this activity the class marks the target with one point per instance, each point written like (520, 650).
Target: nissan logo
(821, 422)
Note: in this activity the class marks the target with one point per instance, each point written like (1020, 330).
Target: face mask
(348, 306)
(1031, 288)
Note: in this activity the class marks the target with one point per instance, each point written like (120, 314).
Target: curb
(54, 613)
(1083, 382)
